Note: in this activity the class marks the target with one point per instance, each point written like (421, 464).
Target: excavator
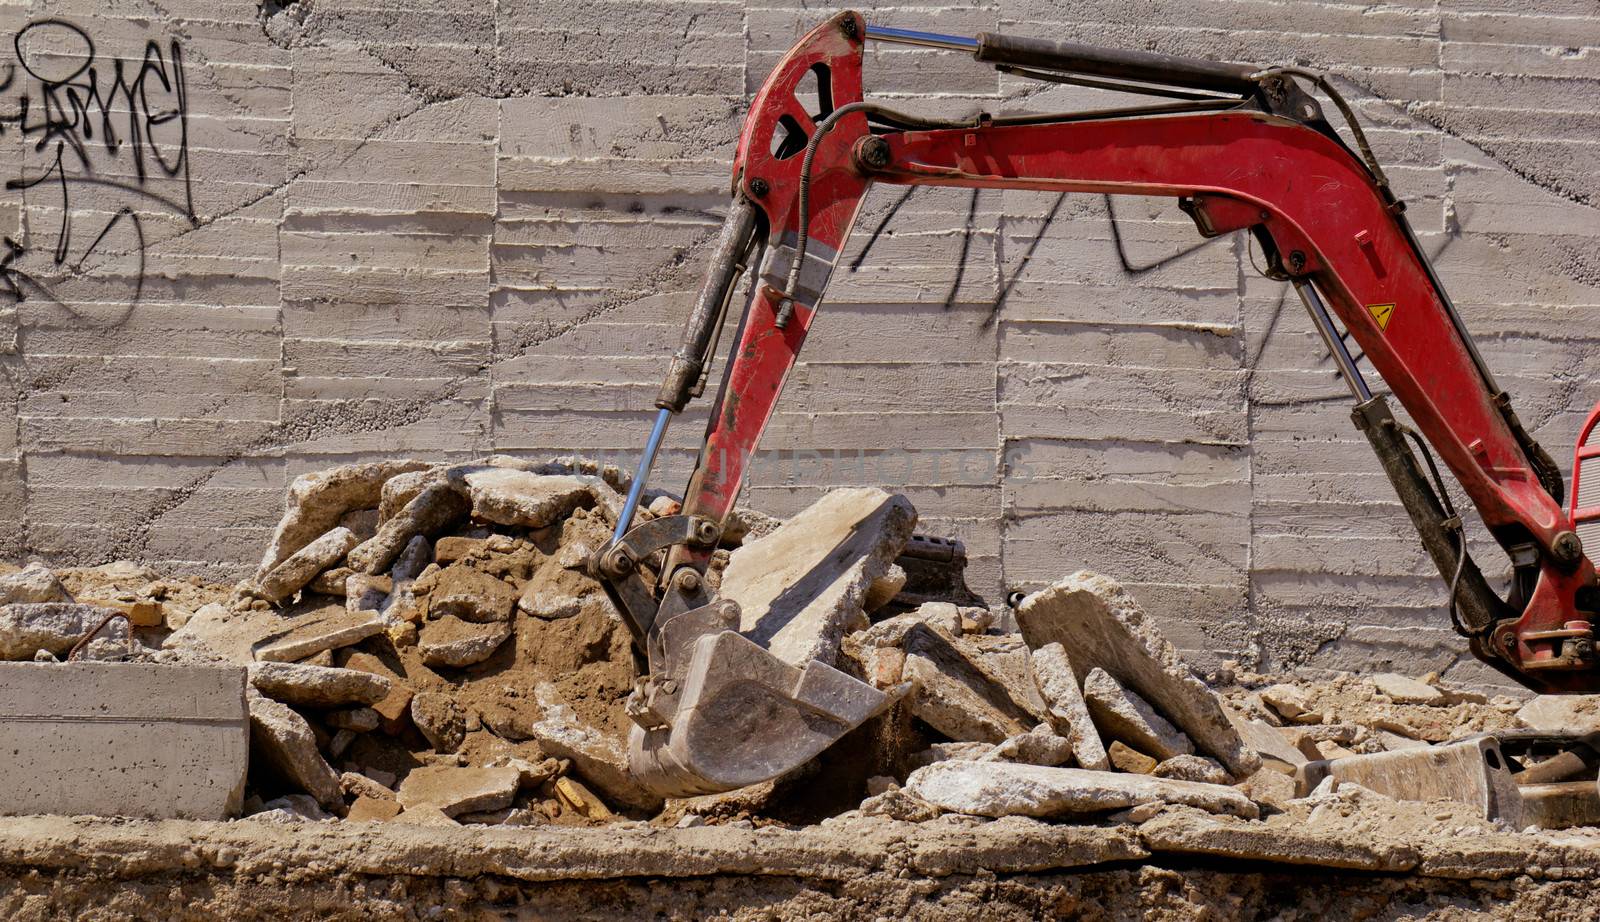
(1241, 148)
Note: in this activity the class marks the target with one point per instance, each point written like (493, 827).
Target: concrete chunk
(1104, 627)
(430, 512)
(801, 588)
(455, 790)
(1277, 752)
(453, 642)
(468, 594)
(394, 711)
(1406, 690)
(524, 499)
(28, 627)
(1039, 746)
(372, 810)
(309, 686)
(123, 739)
(1008, 789)
(600, 759)
(425, 815)
(955, 694)
(33, 583)
(1562, 713)
(439, 720)
(285, 743)
(331, 628)
(303, 565)
(1123, 715)
(1126, 759)
(1068, 714)
(1193, 768)
(316, 501)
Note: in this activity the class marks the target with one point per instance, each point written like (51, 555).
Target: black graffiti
(87, 120)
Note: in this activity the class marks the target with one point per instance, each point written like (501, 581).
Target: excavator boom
(1240, 148)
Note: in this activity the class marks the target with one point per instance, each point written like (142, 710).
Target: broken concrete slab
(123, 739)
(1562, 713)
(801, 588)
(1127, 759)
(439, 720)
(412, 561)
(428, 513)
(32, 584)
(1289, 702)
(296, 633)
(523, 499)
(1406, 690)
(303, 565)
(309, 686)
(1277, 751)
(601, 759)
(394, 711)
(955, 694)
(457, 789)
(28, 627)
(403, 488)
(317, 501)
(1104, 627)
(328, 628)
(580, 799)
(997, 789)
(467, 594)
(1193, 768)
(425, 815)
(373, 810)
(1121, 714)
(1067, 712)
(1472, 771)
(331, 582)
(1039, 746)
(884, 589)
(285, 743)
(452, 642)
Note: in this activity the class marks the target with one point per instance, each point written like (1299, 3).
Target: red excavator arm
(1242, 148)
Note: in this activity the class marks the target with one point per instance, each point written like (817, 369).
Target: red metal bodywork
(1588, 450)
(1240, 168)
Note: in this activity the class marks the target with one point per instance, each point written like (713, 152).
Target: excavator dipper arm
(1263, 160)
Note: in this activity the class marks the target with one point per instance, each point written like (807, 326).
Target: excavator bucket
(740, 689)
(745, 716)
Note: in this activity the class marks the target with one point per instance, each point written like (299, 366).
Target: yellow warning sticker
(1381, 313)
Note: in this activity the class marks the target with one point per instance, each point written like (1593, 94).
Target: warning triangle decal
(1381, 313)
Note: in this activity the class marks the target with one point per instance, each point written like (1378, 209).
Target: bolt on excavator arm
(1241, 148)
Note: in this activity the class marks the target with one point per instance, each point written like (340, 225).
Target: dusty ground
(1179, 865)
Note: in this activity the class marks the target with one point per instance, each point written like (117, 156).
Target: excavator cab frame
(1241, 148)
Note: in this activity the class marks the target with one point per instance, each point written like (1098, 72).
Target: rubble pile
(424, 646)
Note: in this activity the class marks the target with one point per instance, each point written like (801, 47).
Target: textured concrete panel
(441, 230)
(123, 739)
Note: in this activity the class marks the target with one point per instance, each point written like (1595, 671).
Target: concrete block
(800, 587)
(1106, 629)
(1007, 789)
(123, 739)
(1125, 716)
(1058, 684)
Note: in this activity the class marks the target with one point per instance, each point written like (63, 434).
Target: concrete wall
(330, 231)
